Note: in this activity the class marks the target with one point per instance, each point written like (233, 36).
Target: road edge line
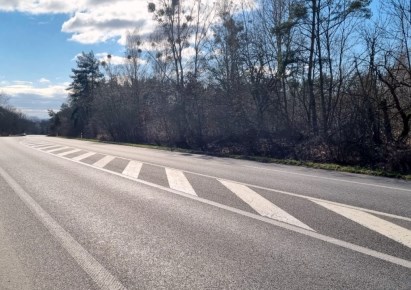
(100, 275)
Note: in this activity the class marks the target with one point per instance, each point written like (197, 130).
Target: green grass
(309, 164)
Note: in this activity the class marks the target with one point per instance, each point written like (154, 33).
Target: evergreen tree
(86, 78)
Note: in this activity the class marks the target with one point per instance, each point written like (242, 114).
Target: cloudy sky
(41, 38)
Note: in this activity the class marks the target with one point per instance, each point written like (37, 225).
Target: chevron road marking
(133, 169)
(383, 227)
(68, 152)
(83, 156)
(104, 161)
(45, 147)
(264, 211)
(261, 205)
(57, 149)
(178, 181)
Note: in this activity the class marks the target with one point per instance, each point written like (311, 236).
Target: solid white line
(133, 169)
(261, 205)
(57, 149)
(307, 197)
(329, 178)
(69, 152)
(83, 156)
(178, 181)
(104, 161)
(373, 223)
(298, 195)
(315, 235)
(97, 272)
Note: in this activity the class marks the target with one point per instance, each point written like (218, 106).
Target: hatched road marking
(178, 181)
(261, 205)
(45, 147)
(133, 169)
(104, 161)
(258, 202)
(69, 152)
(57, 149)
(372, 222)
(83, 156)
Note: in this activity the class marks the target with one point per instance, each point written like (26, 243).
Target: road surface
(84, 215)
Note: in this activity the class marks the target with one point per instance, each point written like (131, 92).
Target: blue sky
(41, 38)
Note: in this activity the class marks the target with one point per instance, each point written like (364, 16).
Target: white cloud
(40, 6)
(110, 19)
(22, 83)
(93, 21)
(49, 92)
(114, 59)
(44, 81)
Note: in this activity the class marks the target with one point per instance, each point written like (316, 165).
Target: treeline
(14, 122)
(312, 80)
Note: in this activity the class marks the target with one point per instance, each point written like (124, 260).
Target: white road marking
(104, 161)
(297, 195)
(45, 147)
(178, 181)
(312, 234)
(261, 205)
(329, 178)
(315, 235)
(373, 223)
(69, 152)
(96, 271)
(57, 149)
(133, 169)
(37, 144)
(83, 156)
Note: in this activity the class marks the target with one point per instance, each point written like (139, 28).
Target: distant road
(84, 215)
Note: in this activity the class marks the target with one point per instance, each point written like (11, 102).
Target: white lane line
(308, 233)
(69, 152)
(296, 194)
(104, 161)
(178, 181)
(303, 196)
(261, 205)
(133, 169)
(97, 272)
(57, 149)
(83, 156)
(372, 222)
(328, 178)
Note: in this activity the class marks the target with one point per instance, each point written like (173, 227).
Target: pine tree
(86, 78)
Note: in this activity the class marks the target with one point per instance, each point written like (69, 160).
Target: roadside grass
(262, 159)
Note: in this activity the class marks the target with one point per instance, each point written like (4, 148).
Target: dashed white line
(261, 205)
(104, 161)
(133, 169)
(178, 181)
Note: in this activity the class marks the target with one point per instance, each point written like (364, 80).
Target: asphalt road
(84, 215)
